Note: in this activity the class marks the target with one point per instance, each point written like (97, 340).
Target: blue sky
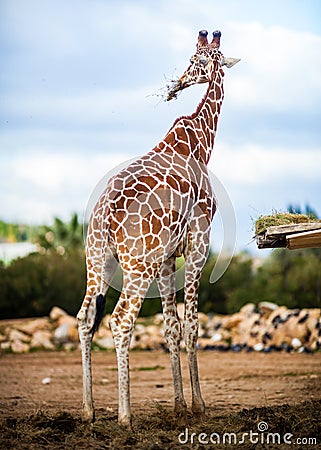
(80, 84)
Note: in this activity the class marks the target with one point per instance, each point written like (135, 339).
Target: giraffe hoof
(180, 410)
(198, 409)
(125, 422)
(88, 415)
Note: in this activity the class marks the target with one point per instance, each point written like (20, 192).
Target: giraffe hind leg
(86, 322)
(89, 320)
(89, 317)
(172, 331)
(122, 324)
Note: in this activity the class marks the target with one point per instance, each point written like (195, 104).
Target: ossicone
(216, 41)
(202, 39)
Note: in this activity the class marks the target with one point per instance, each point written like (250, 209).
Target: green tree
(62, 237)
(31, 286)
(291, 278)
(307, 210)
(232, 290)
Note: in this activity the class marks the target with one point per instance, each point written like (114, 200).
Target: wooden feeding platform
(292, 233)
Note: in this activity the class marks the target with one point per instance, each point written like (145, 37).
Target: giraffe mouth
(173, 90)
(177, 86)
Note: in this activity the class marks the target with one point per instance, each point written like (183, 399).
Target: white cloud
(53, 172)
(253, 165)
(279, 67)
(43, 185)
(92, 106)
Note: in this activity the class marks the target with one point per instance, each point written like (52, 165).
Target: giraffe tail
(100, 307)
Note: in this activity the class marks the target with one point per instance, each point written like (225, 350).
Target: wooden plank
(308, 239)
(312, 233)
(263, 242)
(296, 228)
(277, 236)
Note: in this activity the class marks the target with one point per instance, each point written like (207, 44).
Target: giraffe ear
(230, 62)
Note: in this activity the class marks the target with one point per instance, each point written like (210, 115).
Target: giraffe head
(203, 64)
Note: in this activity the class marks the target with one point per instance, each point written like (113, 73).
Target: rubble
(42, 339)
(264, 327)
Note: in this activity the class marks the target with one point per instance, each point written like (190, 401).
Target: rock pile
(265, 328)
(58, 331)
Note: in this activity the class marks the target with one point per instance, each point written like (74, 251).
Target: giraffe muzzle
(174, 89)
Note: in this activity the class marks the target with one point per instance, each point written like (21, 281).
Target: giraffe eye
(203, 60)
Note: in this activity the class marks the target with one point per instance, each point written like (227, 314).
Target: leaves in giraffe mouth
(173, 90)
(170, 91)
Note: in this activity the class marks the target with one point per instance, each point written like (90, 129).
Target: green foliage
(11, 232)
(291, 278)
(307, 210)
(230, 292)
(61, 237)
(31, 286)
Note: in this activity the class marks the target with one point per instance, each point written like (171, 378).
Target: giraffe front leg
(122, 340)
(191, 335)
(195, 260)
(122, 324)
(172, 330)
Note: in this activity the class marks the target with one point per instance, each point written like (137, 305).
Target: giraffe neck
(194, 135)
(208, 114)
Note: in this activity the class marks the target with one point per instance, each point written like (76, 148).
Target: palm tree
(308, 211)
(62, 237)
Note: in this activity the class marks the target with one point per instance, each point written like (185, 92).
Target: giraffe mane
(195, 113)
(198, 108)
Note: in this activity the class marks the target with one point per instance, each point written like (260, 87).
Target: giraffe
(156, 209)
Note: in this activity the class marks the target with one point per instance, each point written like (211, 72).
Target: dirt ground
(240, 389)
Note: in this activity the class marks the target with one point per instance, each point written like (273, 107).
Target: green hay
(277, 219)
